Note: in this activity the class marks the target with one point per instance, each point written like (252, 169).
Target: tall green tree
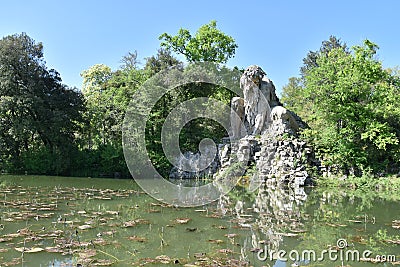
(107, 95)
(207, 44)
(38, 113)
(163, 60)
(130, 61)
(293, 95)
(355, 113)
(94, 90)
(195, 130)
(310, 61)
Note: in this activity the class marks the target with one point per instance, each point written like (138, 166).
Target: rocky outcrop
(237, 117)
(194, 161)
(281, 159)
(284, 160)
(270, 146)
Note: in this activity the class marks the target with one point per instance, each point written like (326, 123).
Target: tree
(355, 112)
(208, 44)
(37, 112)
(310, 61)
(292, 95)
(130, 61)
(94, 89)
(107, 96)
(162, 61)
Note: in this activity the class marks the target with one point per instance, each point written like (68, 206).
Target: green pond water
(58, 221)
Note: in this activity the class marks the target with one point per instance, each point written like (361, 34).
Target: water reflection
(238, 226)
(314, 219)
(278, 213)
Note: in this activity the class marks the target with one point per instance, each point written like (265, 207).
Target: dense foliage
(48, 128)
(208, 44)
(39, 116)
(351, 105)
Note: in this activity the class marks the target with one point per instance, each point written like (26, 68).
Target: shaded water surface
(56, 221)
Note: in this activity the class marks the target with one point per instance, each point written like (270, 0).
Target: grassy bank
(387, 187)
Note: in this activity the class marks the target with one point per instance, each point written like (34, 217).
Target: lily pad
(135, 222)
(29, 250)
(163, 259)
(182, 220)
(137, 238)
(215, 241)
(396, 224)
(230, 235)
(85, 226)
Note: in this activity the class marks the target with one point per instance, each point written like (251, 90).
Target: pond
(59, 221)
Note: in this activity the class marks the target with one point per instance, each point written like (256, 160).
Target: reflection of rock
(278, 212)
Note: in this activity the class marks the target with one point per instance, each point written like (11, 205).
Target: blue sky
(273, 34)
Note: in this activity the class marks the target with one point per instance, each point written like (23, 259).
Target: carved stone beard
(256, 107)
(251, 94)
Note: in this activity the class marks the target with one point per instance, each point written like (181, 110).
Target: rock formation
(194, 161)
(270, 144)
(237, 105)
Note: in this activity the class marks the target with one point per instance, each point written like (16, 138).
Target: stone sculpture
(267, 122)
(259, 98)
(237, 116)
(270, 142)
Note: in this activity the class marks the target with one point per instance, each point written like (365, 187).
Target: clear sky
(273, 34)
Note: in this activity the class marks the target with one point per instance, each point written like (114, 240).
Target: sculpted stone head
(255, 73)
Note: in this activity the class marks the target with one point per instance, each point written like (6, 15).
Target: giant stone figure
(259, 98)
